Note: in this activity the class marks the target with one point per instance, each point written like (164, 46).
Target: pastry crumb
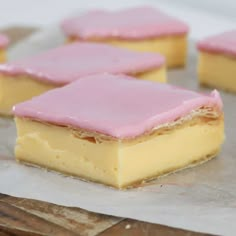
(128, 226)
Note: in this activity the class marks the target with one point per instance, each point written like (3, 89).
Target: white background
(204, 16)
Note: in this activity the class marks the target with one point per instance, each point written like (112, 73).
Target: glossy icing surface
(68, 63)
(221, 43)
(116, 105)
(4, 41)
(134, 23)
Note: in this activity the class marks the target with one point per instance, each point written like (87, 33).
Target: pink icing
(221, 43)
(116, 105)
(4, 41)
(68, 63)
(135, 23)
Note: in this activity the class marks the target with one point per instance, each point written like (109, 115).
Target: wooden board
(30, 217)
(23, 217)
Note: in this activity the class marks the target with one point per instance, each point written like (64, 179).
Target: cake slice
(4, 41)
(217, 61)
(23, 79)
(118, 131)
(141, 29)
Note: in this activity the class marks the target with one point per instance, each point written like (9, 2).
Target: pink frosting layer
(68, 63)
(116, 105)
(135, 23)
(221, 43)
(4, 41)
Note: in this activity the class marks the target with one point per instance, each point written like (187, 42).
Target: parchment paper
(199, 199)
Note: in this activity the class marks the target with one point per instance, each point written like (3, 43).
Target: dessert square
(217, 61)
(4, 41)
(118, 131)
(23, 79)
(140, 29)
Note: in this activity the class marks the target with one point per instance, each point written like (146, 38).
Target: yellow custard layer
(21, 88)
(157, 75)
(117, 163)
(16, 90)
(217, 71)
(174, 48)
(2, 55)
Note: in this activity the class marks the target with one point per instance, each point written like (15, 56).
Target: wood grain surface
(24, 217)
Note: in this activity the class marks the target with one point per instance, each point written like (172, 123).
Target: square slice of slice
(119, 131)
(23, 79)
(217, 61)
(143, 29)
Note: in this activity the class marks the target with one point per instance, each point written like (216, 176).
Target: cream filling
(173, 48)
(217, 70)
(115, 162)
(16, 90)
(2, 55)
